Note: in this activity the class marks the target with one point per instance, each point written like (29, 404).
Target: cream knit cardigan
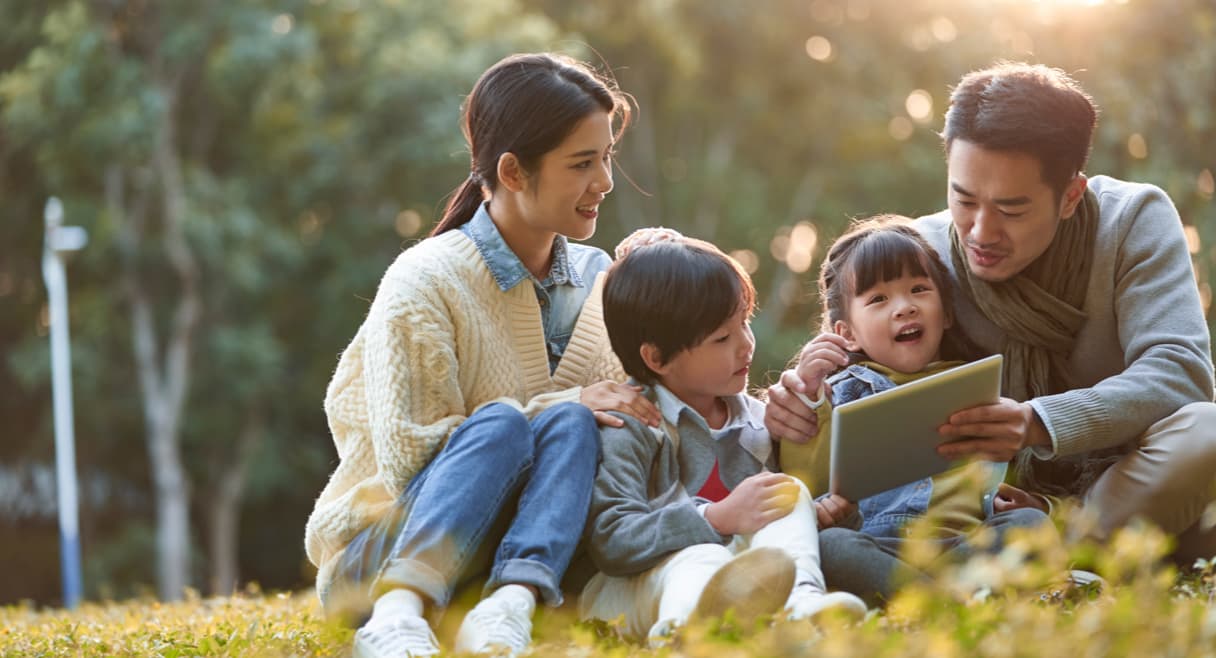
(440, 340)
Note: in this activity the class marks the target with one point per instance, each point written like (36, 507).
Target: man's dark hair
(671, 294)
(1029, 108)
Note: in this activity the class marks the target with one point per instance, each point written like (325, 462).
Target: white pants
(1170, 479)
(669, 590)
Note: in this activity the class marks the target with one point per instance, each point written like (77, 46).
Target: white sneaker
(806, 602)
(402, 637)
(496, 626)
(663, 633)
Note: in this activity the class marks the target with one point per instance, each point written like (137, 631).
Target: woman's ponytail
(462, 205)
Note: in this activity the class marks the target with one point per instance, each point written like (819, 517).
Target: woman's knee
(571, 426)
(498, 426)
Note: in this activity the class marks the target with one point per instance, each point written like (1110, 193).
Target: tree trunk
(225, 510)
(163, 383)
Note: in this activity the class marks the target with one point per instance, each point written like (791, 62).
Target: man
(1086, 286)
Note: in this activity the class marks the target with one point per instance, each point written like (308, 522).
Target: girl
(886, 308)
(464, 411)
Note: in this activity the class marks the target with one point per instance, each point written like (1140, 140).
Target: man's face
(1004, 213)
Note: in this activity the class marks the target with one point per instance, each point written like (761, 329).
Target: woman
(464, 411)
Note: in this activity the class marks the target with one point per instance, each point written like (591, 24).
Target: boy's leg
(797, 534)
(1169, 479)
(659, 600)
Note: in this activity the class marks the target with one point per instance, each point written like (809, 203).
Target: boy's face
(897, 323)
(715, 367)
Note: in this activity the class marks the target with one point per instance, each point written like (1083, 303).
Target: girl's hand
(645, 236)
(756, 502)
(833, 509)
(1009, 497)
(825, 354)
(604, 396)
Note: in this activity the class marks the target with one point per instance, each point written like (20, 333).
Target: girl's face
(715, 367)
(563, 195)
(897, 323)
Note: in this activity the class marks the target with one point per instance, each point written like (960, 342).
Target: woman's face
(563, 194)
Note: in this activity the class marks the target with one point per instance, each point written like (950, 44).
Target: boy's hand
(756, 502)
(625, 398)
(833, 509)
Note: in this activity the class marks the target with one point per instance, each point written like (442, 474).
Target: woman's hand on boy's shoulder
(645, 236)
(605, 396)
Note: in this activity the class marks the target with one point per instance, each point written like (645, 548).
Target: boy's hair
(1032, 109)
(671, 294)
(878, 249)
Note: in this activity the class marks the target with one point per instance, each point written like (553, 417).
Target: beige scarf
(1040, 312)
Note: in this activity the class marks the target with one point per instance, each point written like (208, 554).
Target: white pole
(60, 239)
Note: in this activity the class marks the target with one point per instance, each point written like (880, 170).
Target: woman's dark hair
(526, 105)
(881, 248)
(1031, 109)
(671, 294)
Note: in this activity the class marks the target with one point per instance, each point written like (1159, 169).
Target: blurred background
(247, 170)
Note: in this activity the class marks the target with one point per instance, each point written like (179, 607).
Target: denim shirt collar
(504, 265)
(672, 407)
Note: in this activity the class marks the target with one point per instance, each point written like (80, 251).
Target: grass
(988, 607)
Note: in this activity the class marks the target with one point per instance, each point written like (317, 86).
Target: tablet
(890, 438)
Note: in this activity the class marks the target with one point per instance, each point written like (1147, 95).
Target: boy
(686, 519)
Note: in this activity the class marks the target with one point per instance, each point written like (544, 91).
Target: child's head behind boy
(885, 291)
(678, 313)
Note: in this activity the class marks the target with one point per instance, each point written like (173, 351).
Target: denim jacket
(884, 514)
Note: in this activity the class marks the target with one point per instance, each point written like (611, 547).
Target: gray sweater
(1144, 351)
(644, 506)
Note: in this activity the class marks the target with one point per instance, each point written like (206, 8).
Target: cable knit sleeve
(414, 400)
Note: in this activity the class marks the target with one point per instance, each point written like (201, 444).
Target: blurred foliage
(319, 137)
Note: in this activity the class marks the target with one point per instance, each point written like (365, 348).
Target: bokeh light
(803, 240)
(901, 128)
(1192, 238)
(408, 223)
(819, 48)
(747, 259)
(281, 24)
(919, 105)
(1137, 147)
(1206, 184)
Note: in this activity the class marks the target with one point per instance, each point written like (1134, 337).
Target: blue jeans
(505, 485)
(870, 567)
